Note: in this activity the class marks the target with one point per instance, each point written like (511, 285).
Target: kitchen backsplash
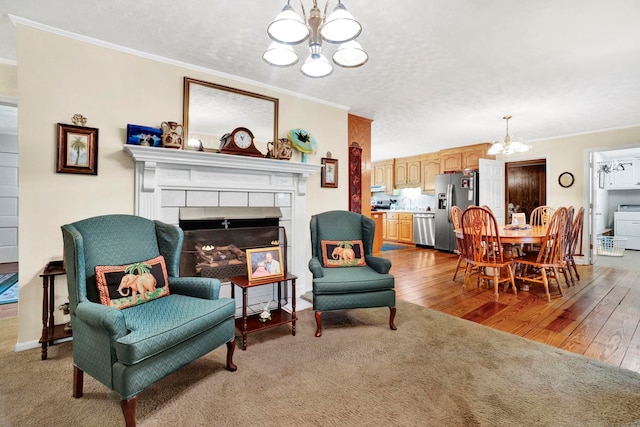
(408, 198)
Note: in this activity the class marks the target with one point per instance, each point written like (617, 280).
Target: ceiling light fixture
(509, 144)
(339, 27)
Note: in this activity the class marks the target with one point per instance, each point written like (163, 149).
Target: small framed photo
(329, 177)
(265, 263)
(77, 149)
(144, 135)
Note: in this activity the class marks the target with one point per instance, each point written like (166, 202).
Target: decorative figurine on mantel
(303, 142)
(172, 135)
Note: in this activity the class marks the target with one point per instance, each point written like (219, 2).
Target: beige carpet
(434, 370)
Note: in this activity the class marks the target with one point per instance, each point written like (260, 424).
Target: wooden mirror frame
(230, 108)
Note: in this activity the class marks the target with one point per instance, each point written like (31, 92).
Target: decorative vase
(172, 135)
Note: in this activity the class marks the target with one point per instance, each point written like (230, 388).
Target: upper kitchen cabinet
(407, 172)
(624, 175)
(468, 157)
(451, 160)
(472, 154)
(430, 164)
(382, 175)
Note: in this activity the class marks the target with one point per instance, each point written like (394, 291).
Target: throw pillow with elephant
(123, 286)
(343, 253)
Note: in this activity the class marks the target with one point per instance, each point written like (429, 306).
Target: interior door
(492, 187)
(8, 198)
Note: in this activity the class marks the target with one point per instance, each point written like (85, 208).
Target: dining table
(517, 236)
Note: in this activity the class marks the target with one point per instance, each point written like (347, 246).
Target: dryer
(627, 224)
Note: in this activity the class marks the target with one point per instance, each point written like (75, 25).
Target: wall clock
(566, 179)
(240, 142)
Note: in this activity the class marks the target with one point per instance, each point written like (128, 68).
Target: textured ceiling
(440, 74)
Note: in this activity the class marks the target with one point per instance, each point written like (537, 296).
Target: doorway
(525, 186)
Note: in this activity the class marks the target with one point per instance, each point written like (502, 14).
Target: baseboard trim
(30, 345)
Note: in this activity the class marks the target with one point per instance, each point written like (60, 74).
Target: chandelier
(288, 29)
(613, 166)
(509, 145)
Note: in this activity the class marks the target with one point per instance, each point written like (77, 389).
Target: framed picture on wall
(329, 177)
(77, 149)
(265, 263)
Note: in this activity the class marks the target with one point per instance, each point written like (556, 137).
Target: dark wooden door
(526, 186)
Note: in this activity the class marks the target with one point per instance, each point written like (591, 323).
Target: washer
(627, 224)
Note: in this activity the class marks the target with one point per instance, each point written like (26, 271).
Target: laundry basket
(611, 246)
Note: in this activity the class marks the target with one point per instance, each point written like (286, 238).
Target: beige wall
(570, 154)
(59, 77)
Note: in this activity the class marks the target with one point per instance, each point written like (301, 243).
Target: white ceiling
(440, 74)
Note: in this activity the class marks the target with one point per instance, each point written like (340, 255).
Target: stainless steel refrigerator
(452, 189)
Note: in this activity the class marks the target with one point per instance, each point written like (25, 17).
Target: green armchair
(338, 287)
(131, 348)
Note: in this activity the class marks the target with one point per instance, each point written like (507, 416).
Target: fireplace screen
(221, 253)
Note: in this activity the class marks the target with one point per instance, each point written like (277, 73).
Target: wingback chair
(345, 274)
(129, 349)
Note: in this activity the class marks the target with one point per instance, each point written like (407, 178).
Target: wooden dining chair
(456, 223)
(483, 250)
(565, 268)
(538, 267)
(576, 237)
(541, 215)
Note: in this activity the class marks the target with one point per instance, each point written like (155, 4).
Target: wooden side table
(249, 324)
(50, 331)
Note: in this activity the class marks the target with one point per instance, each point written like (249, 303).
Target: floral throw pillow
(123, 286)
(343, 253)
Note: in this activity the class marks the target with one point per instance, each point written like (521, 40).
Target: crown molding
(108, 45)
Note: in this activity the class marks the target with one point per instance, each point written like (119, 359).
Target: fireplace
(216, 239)
(167, 181)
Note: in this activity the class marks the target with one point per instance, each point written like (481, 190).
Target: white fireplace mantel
(148, 159)
(163, 174)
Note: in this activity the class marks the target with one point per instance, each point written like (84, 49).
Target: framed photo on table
(329, 177)
(77, 149)
(265, 263)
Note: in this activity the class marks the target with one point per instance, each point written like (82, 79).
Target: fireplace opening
(216, 239)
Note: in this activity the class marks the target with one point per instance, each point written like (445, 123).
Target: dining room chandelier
(339, 27)
(509, 144)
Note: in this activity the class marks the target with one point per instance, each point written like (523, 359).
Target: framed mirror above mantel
(211, 110)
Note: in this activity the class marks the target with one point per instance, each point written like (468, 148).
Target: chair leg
(78, 381)
(557, 277)
(129, 411)
(455, 272)
(318, 323)
(231, 347)
(545, 282)
(392, 317)
(496, 283)
(575, 268)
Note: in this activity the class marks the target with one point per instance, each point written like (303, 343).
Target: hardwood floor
(598, 317)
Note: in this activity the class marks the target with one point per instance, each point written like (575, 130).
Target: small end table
(50, 331)
(249, 324)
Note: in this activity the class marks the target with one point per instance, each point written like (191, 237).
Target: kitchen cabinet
(408, 172)
(627, 178)
(378, 219)
(430, 165)
(392, 226)
(468, 157)
(384, 226)
(451, 160)
(383, 175)
(405, 227)
(471, 156)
